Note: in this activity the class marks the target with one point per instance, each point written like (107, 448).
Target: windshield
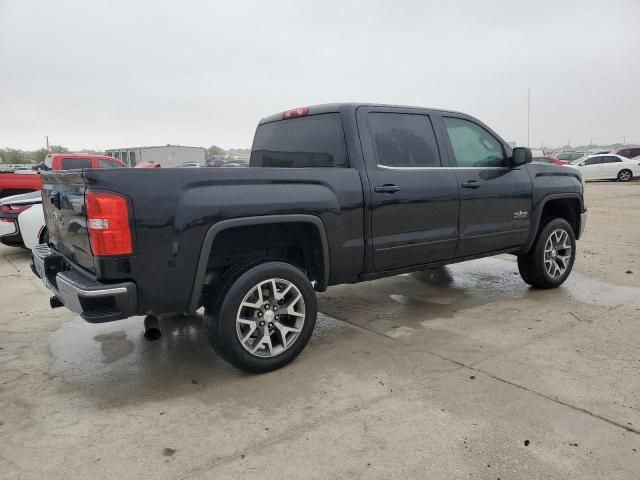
(578, 160)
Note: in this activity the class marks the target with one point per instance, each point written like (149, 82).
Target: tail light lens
(14, 208)
(108, 224)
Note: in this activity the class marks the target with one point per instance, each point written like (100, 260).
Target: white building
(166, 155)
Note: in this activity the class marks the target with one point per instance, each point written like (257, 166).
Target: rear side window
(74, 163)
(472, 145)
(404, 140)
(611, 159)
(315, 141)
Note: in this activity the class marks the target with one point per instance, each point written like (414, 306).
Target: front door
(495, 200)
(414, 214)
(591, 168)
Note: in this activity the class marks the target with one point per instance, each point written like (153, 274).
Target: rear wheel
(625, 175)
(262, 316)
(550, 260)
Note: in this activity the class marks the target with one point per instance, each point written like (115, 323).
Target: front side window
(404, 140)
(314, 141)
(472, 145)
(75, 163)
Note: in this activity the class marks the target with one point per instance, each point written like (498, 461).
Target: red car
(14, 183)
(555, 161)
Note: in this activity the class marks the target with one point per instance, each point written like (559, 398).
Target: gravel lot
(462, 372)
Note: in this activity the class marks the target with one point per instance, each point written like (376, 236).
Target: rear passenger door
(495, 199)
(414, 199)
(611, 165)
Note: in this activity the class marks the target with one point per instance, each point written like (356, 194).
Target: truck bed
(173, 209)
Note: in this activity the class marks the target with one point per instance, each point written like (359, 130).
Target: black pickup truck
(334, 194)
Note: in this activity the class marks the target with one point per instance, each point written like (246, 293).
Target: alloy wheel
(270, 317)
(557, 253)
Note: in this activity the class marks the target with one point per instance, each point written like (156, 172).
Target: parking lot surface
(461, 372)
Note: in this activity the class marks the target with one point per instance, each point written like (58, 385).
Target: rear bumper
(94, 301)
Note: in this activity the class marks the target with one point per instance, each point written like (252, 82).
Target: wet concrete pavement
(462, 372)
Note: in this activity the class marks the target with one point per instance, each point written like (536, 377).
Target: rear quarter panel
(174, 208)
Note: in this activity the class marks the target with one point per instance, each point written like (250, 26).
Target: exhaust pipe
(55, 302)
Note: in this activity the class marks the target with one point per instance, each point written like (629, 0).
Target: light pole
(528, 114)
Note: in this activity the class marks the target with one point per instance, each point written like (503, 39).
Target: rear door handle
(386, 188)
(471, 184)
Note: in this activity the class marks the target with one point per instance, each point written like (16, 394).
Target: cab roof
(343, 107)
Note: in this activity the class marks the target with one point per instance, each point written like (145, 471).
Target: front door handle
(471, 184)
(386, 188)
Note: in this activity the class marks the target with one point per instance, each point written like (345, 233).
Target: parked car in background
(555, 161)
(190, 165)
(21, 216)
(569, 156)
(607, 167)
(22, 220)
(73, 161)
(628, 152)
(19, 181)
(23, 181)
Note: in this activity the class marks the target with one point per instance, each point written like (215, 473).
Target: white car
(22, 220)
(607, 167)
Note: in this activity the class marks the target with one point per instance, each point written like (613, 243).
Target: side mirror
(520, 156)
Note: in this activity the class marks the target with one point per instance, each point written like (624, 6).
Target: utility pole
(47, 137)
(528, 114)
(624, 140)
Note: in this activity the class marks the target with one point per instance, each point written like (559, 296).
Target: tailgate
(64, 212)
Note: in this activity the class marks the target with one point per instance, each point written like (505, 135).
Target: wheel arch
(564, 205)
(216, 229)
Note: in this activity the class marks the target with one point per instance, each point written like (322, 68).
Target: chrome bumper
(92, 300)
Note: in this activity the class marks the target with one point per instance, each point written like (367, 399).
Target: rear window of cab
(313, 141)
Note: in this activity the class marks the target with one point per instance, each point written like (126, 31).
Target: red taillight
(14, 208)
(296, 112)
(108, 224)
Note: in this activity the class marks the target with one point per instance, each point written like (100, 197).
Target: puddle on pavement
(114, 364)
(406, 300)
(114, 345)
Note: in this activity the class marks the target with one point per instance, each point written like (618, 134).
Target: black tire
(532, 264)
(222, 308)
(625, 175)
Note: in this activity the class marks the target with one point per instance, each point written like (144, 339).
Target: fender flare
(535, 223)
(215, 229)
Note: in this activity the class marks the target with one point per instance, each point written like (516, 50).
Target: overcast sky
(100, 74)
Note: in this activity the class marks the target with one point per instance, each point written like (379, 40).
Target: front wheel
(625, 175)
(262, 316)
(550, 260)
